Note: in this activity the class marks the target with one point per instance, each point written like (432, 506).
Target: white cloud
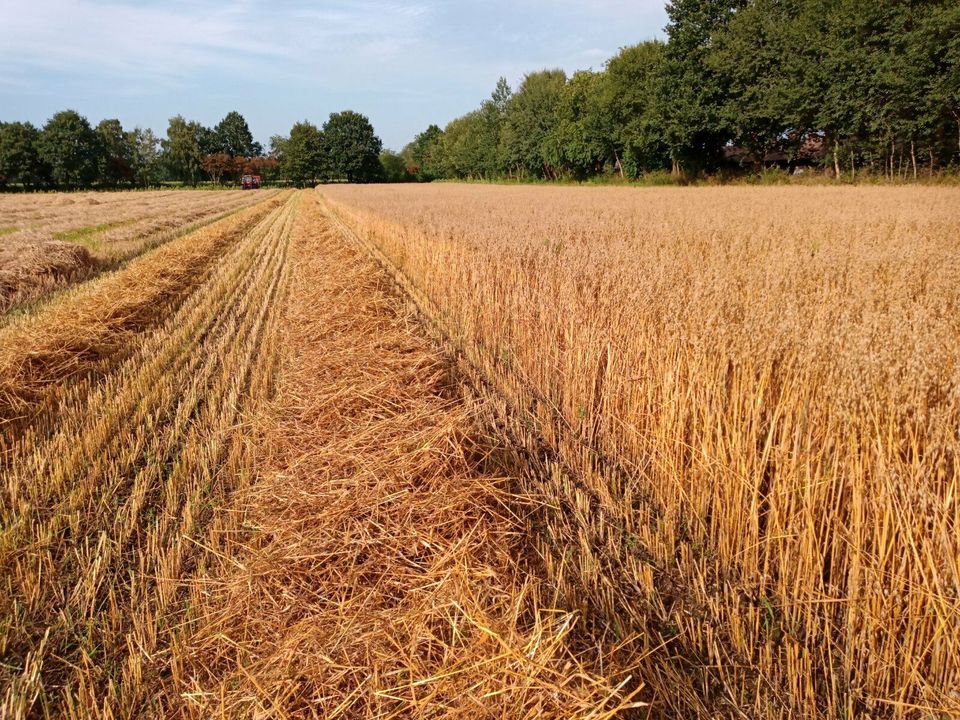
(174, 41)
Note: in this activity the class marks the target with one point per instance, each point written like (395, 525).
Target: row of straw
(87, 330)
(53, 240)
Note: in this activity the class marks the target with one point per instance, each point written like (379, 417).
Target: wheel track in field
(93, 575)
(380, 575)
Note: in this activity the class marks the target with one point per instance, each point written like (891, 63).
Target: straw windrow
(110, 492)
(90, 329)
(383, 573)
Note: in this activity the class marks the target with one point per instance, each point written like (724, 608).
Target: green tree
(394, 167)
(470, 143)
(691, 95)
(19, 160)
(937, 39)
(847, 34)
(631, 96)
(425, 154)
(303, 160)
(501, 95)
(352, 146)
(461, 149)
(530, 117)
(232, 136)
(277, 143)
(116, 159)
(182, 151)
(582, 140)
(145, 156)
(750, 54)
(70, 148)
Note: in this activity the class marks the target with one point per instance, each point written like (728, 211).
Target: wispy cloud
(177, 40)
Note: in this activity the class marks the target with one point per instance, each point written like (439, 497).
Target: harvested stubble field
(50, 240)
(461, 451)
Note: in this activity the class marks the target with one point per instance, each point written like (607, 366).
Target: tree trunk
(619, 164)
(931, 162)
(913, 158)
(836, 159)
(957, 115)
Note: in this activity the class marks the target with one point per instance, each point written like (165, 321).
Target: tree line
(69, 153)
(850, 85)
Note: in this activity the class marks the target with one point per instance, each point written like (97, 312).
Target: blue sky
(403, 64)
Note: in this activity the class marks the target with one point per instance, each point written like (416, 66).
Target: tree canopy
(70, 148)
(232, 136)
(847, 83)
(303, 157)
(352, 147)
(182, 151)
(19, 158)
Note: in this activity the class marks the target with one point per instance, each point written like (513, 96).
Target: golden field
(744, 404)
(491, 452)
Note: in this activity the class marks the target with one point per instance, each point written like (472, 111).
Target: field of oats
(489, 452)
(741, 409)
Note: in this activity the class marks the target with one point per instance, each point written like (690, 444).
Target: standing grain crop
(743, 405)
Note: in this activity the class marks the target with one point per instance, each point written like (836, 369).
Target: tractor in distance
(250, 182)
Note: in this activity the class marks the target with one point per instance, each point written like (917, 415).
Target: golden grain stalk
(742, 405)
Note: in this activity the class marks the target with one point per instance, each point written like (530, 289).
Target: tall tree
(303, 160)
(19, 161)
(145, 156)
(394, 167)
(501, 95)
(750, 53)
(182, 150)
(691, 94)
(938, 38)
(232, 136)
(352, 146)
(530, 116)
(71, 149)
(425, 154)
(582, 141)
(276, 146)
(116, 159)
(631, 96)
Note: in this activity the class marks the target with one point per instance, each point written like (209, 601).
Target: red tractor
(250, 182)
